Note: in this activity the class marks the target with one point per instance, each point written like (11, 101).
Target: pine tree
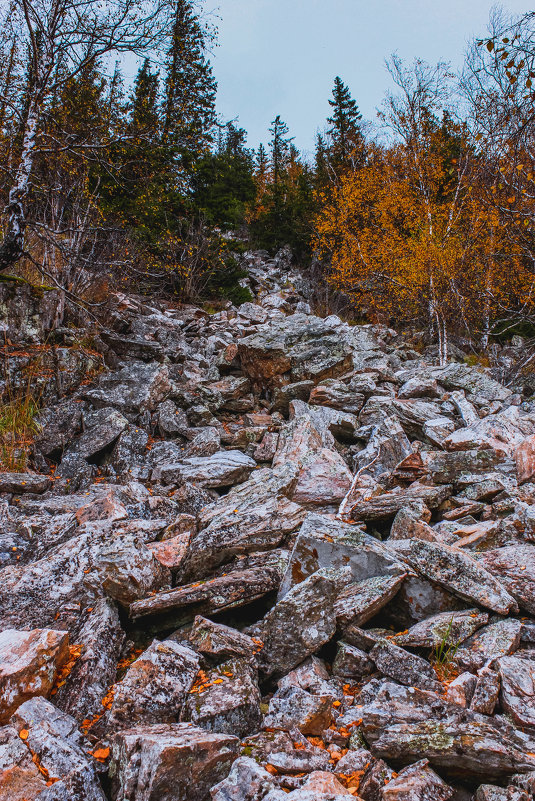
(347, 146)
(145, 117)
(280, 151)
(190, 87)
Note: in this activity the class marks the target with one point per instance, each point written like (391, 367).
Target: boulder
(29, 664)
(450, 628)
(490, 642)
(518, 690)
(155, 686)
(221, 469)
(136, 388)
(218, 640)
(457, 572)
(418, 782)
(247, 781)
(294, 708)
(174, 762)
(19, 483)
(226, 699)
(404, 667)
(514, 565)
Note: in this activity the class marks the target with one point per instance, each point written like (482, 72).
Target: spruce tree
(347, 141)
(190, 87)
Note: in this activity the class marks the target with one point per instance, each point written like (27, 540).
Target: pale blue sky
(281, 56)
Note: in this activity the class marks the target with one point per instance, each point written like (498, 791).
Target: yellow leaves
(101, 754)
(23, 734)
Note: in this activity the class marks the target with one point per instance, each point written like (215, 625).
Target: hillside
(256, 554)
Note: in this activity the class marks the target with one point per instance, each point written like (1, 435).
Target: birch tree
(63, 38)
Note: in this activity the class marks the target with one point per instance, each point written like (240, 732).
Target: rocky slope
(280, 558)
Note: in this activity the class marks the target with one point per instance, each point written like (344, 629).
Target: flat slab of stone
(362, 600)
(19, 483)
(385, 507)
(457, 572)
(490, 642)
(518, 690)
(514, 565)
(401, 665)
(29, 662)
(176, 762)
(451, 628)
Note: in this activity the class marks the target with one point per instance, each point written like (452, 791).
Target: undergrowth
(18, 426)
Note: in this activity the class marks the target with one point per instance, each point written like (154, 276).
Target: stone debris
(264, 555)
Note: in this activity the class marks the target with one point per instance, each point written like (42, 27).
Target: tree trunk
(12, 248)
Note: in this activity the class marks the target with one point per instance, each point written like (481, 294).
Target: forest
(424, 216)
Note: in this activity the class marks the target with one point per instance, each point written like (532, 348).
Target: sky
(281, 56)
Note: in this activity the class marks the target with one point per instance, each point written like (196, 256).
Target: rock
(438, 429)
(476, 382)
(254, 516)
(155, 686)
(58, 426)
(293, 707)
(450, 628)
(94, 671)
(28, 313)
(486, 691)
(311, 675)
(385, 507)
(226, 699)
(515, 567)
(102, 429)
(287, 753)
(321, 786)
(60, 751)
(490, 642)
(20, 778)
(525, 460)
(175, 762)
(206, 443)
(518, 690)
(419, 387)
(417, 783)
(376, 778)
(236, 588)
(502, 433)
(405, 725)
(171, 552)
(216, 639)
(489, 792)
(172, 422)
(457, 572)
(136, 388)
(352, 663)
(221, 469)
(323, 477)
(338, 396)
(247, 781)
(129, 451)
(18, 483)
(323, 542)
(361, 601)
(29, 663)
(387, 446)
(283, 395)
(461, 690)
(303, 346)
(300, 623)
(404, 667)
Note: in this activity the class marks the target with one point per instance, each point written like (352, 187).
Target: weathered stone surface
(232, 589)
(405, 725)
(56, 744)
(101, 428)
(385, 507)
(518, 689)
(338, 396)
(490, 642)
(417, 783)
(216, 639)
(133, 389)
(102, 638)
(403, 666)
(450, 628)
(501, 433)
(19, 483)
(172, 421)
(323, 477)
(515, 567)
(226, 699)
(302, 621)
(486, 691)
(246, 781)
(323, 542)
(222, 469)
(293, 707)
(477, 382)
(20, 779)
(303, 346)
(288, 753)
(175, 762)
(253, 516)
(360, 601)
(461, 690)
(457, 572)
(419, 387)
(155, 686)
(351, 662)
(29, 662)
(387, 446)
(489, 792)
(320, 786)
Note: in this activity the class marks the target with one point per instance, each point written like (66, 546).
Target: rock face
(264, 555)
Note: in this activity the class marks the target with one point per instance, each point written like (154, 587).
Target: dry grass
(18, 426)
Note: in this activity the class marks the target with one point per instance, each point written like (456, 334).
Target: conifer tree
(347, 148)
(190, 87)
